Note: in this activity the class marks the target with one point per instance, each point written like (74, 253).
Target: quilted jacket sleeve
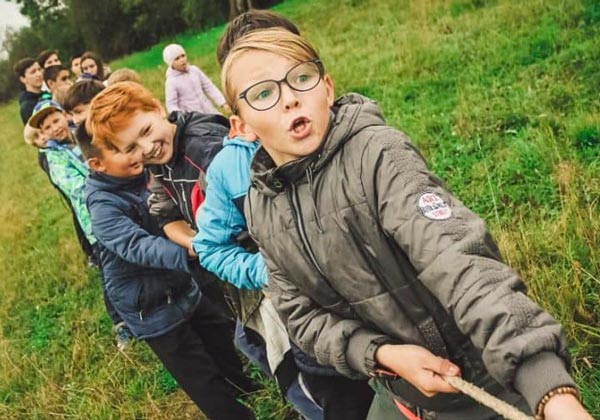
(457, 260)
(219, 221)
(122, 236)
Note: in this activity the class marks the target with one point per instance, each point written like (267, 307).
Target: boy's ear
(95, 164)
(240, 128)
(50, 83)
(22, 79)
(330, 89)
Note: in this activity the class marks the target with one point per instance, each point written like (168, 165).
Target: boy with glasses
(373, 266)
(223, 247)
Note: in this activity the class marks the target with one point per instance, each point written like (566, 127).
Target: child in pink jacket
(187, 87)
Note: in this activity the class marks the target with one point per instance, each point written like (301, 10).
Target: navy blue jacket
(146, 276)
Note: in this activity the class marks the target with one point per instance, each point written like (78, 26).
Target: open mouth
(156, 152)
(300, 127)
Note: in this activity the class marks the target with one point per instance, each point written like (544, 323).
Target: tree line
(111, 28)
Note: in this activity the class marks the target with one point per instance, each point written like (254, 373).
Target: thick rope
(504, 409)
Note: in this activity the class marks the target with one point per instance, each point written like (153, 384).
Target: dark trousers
(341, 398)
(200, 355)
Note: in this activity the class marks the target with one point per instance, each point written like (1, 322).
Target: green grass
(502, 98)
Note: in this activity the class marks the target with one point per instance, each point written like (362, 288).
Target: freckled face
(152, 133)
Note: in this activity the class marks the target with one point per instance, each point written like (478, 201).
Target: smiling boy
(177, 150)
(147, 279)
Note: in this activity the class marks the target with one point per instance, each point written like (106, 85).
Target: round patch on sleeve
(434, 207)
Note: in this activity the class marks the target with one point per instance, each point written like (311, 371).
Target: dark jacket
(180, 185)
(138, 264)
(363, 243)
(27, 101)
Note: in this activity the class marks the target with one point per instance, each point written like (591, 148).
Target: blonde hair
(277, 41)
(30, 134)
(123, 75)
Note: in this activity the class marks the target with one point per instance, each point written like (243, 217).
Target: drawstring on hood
(309, 176)
(350, 114)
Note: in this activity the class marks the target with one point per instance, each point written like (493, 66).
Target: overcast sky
(9, 17)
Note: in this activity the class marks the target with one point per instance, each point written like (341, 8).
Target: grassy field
(501, 96)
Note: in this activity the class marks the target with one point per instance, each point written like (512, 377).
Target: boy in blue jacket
(147, 279)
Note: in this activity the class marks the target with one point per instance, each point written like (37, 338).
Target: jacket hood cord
(309, 176)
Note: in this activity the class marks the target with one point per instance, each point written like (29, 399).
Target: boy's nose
(289, 96)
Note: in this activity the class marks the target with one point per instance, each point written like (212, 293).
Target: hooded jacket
(146, 276)
(190, 90)
(221, 219)
(364, 245)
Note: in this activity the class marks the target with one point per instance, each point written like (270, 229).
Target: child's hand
(565, 406)
(418, 366)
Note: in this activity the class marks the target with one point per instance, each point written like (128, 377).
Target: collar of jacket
(171, 72)
(55, 144)
(182, 120)
(350, 114)
(239, 141)
(110, 183)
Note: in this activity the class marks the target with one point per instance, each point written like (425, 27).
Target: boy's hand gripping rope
(504, 409)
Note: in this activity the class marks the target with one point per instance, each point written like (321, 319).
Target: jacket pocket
(152, 294)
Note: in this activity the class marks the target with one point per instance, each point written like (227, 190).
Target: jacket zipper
(185, 204)
(296, 211)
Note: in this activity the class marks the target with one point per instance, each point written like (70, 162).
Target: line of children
(422, 292)
(62, 161)
(373, 265)
(178, 150)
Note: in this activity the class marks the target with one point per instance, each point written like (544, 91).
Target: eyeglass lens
(302, 77)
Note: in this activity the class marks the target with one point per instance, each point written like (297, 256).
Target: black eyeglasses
(265, 95)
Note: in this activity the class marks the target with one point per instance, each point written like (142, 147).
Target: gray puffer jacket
(363, 243)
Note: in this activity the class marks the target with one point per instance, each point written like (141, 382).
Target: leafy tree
(201, 14)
